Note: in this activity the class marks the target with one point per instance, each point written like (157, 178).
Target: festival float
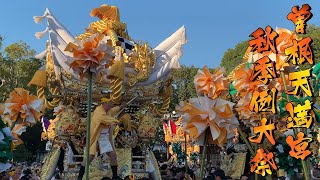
(123, 71)
(273, 94)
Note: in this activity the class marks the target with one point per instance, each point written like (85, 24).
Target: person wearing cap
(101, 131)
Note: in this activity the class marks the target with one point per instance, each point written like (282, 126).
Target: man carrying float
(102, 126)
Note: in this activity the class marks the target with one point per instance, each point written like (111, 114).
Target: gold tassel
(38, 19)
(116, 87)
(166, 97)
(114, 37)
(117, 70)
(40, 35)
(39, 79)
(116, 75)
(48, 104)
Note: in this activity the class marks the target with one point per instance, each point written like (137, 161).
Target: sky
(212, 26)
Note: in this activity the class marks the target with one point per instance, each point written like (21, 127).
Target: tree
(314, 33)
(17, 67)
(183, 87)
(233, 57)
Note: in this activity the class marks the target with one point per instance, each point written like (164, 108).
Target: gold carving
(143, 58)
(165, 93)
(108, 25)
(68, 123)
(50, 163)
(51, 82)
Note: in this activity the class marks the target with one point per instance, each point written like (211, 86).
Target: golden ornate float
(136, 71)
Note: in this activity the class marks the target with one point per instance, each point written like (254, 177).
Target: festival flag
(165, 127)
(173, 127)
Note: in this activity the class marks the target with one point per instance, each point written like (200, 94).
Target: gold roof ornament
(106, 12)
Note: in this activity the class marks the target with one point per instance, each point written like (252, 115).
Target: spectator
(191, 173)
(219, 174)
(106, 178)
(244, 177)
(17, 173)
(181, 174)
(299, 177)
(4, 175)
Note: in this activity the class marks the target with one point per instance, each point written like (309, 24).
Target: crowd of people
(169, 171)
(172, 171)
(22, 171)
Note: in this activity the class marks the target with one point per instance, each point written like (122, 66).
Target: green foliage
(176, 149)
(295, 100)
(17, 67)
(5, 146)
(285, 161)
(18, 51)
(22, 154)
(233, 57)
(183, 87)
(194, 156)
(314, 33)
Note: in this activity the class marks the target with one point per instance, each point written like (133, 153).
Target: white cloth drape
(167, 53)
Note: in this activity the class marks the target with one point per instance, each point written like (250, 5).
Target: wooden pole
(256, 177)
(243, 137)
(204, 153)
(185, 152)
(167, 144)
(88, 125)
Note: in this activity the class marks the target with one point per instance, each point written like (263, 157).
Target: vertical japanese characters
(264, 101)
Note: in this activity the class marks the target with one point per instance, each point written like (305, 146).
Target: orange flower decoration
(211, 85)
(247, 116)
(90, 55)
(20, 102)
(17, 130)
(242, 82)
(283, 41)
(201, 113)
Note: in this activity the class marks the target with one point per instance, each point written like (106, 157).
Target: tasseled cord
(39, 35)
(38, 19)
